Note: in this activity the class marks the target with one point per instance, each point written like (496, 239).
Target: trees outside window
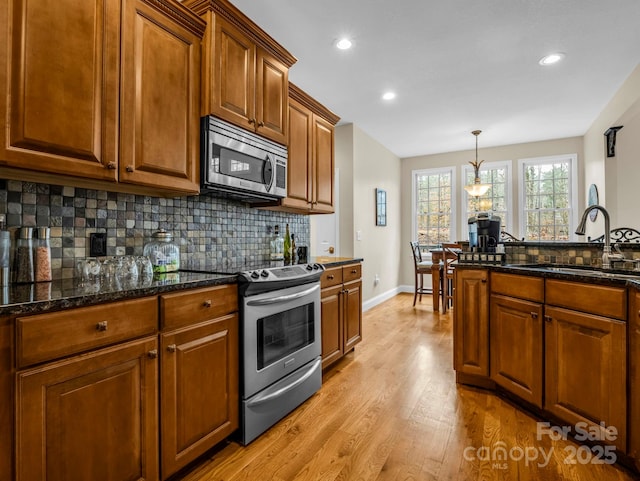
(497, 200)
(434, 206)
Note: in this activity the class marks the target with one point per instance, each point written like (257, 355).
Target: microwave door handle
(261, 399)
(280, 299)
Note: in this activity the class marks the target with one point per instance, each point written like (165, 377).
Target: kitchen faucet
(607, 256)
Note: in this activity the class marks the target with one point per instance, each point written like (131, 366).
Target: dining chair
(420, 268)
(450, 255)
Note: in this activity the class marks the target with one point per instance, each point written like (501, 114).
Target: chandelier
(477, 189)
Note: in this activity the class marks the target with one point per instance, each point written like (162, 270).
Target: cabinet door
(272, 97)
(299, 162)
(471, 322)
(586, 370)
(332, 336)
(232, 75)
(60, 94)
(199, 390)
(7, 383)
(516, 347)
(90, 417)
(634, 376)
(323, 161)
(352, 314)
(160, 113)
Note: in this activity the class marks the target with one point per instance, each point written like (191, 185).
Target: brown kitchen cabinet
(245, 72)
(341, 308)
(634, 376)
(586, 356)
(7, 384)
(471, 326)
(198, 373)
(310, 168)
(86, 385)
(108, 103)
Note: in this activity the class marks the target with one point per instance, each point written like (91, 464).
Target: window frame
(466, 169)
(573, 186)
(414, 196)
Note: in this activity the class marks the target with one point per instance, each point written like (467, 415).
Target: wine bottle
(287, 245)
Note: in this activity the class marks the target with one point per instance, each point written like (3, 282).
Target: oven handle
(261, 399)
(281, 299)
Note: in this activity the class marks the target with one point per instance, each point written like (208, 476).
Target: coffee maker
(484, 232)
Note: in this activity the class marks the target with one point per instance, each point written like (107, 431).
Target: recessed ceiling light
(389, 95)
(551, 58)
(344, 44)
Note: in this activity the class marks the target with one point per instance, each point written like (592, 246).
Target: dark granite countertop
(19, 299)
(570, 273)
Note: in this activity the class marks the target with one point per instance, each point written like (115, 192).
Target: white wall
(371, 166)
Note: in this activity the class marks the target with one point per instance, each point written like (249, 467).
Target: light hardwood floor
(392, 411)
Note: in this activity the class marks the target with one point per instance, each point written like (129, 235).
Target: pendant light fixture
(477, 189)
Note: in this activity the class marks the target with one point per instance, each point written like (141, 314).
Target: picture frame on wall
(381, 207)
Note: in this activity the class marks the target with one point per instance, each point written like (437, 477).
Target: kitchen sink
(582, 271)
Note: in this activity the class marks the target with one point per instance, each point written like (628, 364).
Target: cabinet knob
(111, 165)
(129, 168)
(207, 303)
(260, 124)
(330, 277)
(534, 315)
(251, 121)
(152, 354)
(548, 318)
(172, 348)
(354, 271)
(101, 326)
(484, 281)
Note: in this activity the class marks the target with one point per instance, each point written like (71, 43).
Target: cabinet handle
(129, 168)
(207, 303)
(534, 315)
(251, 121)
(101, 326)
(330, 277)
(354, 271)
(171, 348)
(638, 313)
(260, 124)
(484, 281)
(111, 165)
(152, 354)
(548, 318)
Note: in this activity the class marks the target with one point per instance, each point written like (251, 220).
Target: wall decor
(593, 200)
(381, 207)
(610, 134)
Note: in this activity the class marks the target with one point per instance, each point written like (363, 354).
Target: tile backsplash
(208, 229)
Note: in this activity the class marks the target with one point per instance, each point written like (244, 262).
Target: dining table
(438, 256)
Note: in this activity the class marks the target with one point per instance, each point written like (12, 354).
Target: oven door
(281, 333)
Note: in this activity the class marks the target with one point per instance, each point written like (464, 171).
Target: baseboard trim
(380, 298)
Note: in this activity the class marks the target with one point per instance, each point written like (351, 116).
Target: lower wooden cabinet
(92, 416)
(516, 345)
(341, 307)
(586, 370)
(471, 322)
(199, 389)
(633, 424)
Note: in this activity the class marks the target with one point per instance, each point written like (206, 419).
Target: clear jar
(23, 265)
(163, 252)
(42, 256)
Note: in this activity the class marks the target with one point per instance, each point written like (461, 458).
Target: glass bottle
(293, 249)
(287, 245)
(276, 246)
(5, 253)
(23, 265)
(42, 255)
(163, 252)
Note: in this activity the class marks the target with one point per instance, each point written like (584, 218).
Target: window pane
(434, 206)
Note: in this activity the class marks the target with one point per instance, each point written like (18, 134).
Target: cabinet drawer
(331, 277)
(197, 305)
(352, 272)
(513, 285)
(600, 300)
(48, 336)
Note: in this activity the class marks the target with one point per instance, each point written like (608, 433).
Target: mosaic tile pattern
(209, 229)
(574, 254)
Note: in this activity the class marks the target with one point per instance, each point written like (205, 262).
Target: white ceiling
(457, 65)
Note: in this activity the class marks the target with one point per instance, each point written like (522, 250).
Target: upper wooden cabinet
(310, 164)
(245, 72)
(102, 94)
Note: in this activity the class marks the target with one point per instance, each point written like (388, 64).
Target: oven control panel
(298, 271)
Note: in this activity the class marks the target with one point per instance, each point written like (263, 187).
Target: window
(497, 200)
(434, 206)
(549, 197)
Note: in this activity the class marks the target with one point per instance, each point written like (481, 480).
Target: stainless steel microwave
(240, 163)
